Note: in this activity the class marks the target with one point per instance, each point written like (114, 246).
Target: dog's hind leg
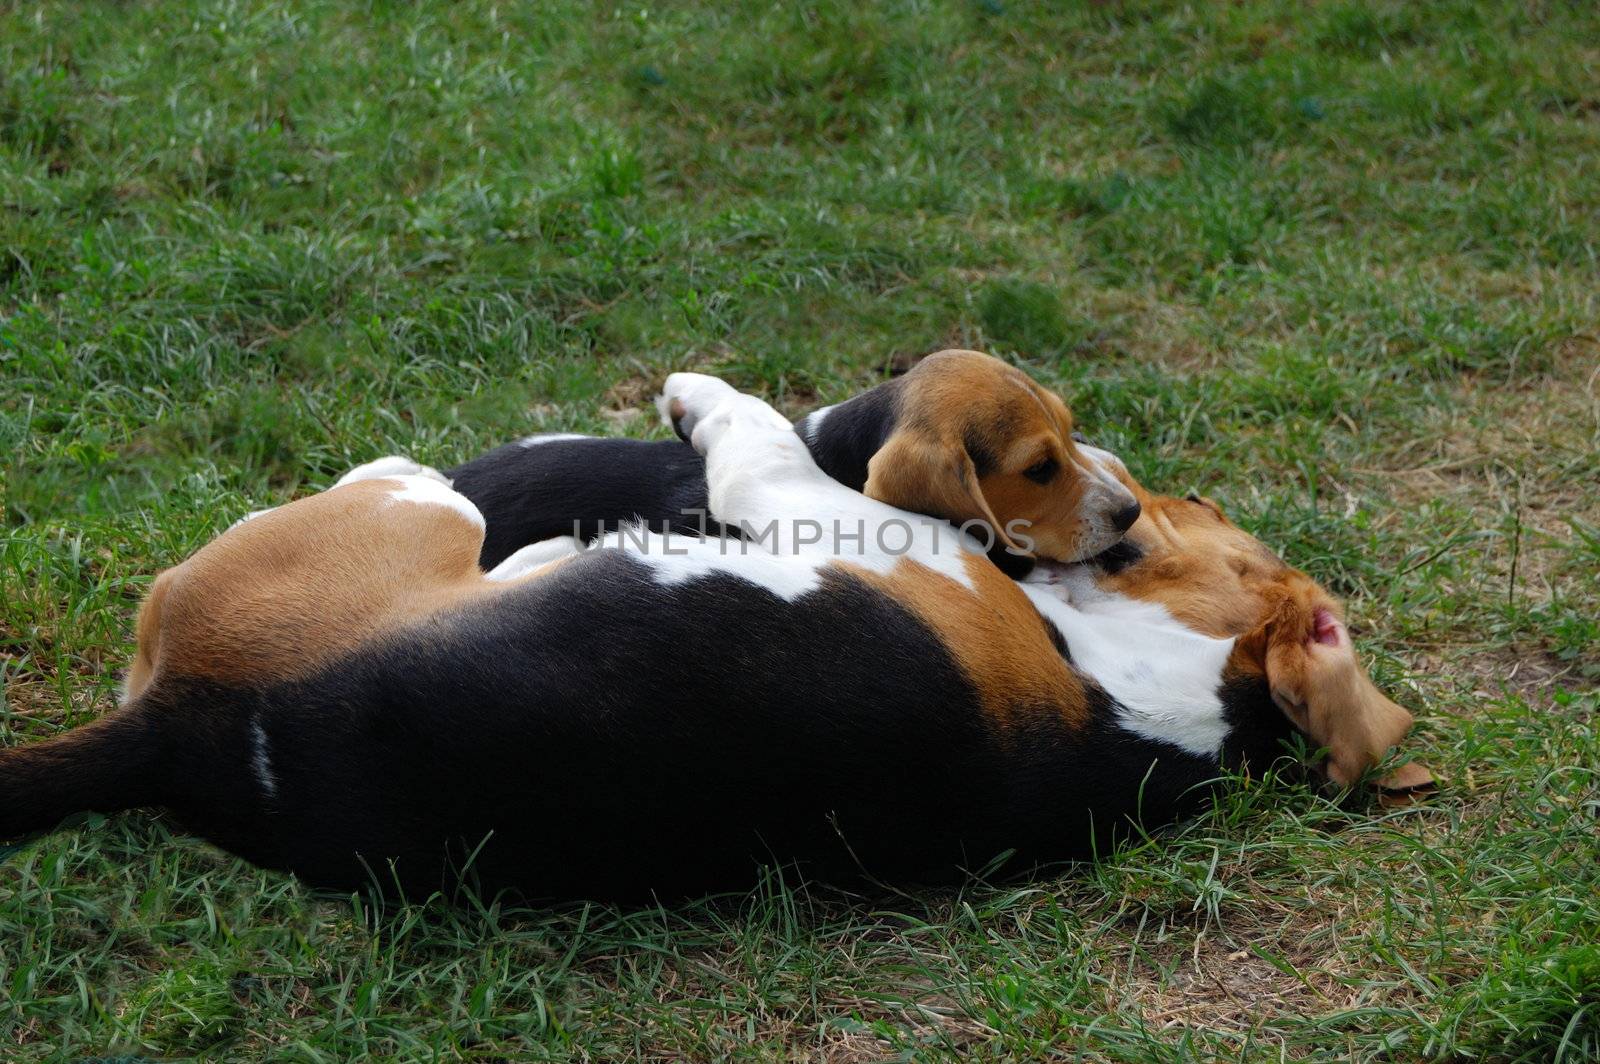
(394, 465)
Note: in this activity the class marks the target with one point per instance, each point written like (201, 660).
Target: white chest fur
(1164, 676)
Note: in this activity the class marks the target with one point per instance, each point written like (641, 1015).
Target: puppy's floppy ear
(1310, 665)
(927, 474)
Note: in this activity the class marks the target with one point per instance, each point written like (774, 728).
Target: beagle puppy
(336, 688)
(961, 436)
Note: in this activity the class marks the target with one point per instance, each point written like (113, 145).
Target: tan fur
(1208, 572)
(148, 633)
(953, 400)
(296, 587)
(1218, 579)
(994, 633)
(1321, 686)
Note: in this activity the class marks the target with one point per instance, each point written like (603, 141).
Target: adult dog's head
(1216, 578)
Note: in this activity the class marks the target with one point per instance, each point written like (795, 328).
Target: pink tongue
(1326, 631)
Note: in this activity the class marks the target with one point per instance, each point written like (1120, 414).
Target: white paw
(393, 465)
(529, 558)
(701, 408)
(688, 398)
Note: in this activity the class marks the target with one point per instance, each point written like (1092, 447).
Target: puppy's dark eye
(1041, 472)
(1078, 437)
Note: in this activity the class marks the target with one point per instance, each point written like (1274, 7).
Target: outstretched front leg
(759, 474)
(762, 480)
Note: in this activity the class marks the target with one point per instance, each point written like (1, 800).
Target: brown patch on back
(302, 585)
(997, 638)
(969, 426)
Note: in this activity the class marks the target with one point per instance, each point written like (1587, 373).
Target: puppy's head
(1218, 579)
(977, 440)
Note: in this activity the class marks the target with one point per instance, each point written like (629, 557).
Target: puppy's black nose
(1124, 518)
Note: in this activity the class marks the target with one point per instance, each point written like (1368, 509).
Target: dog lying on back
(337, 689)
(928, 442)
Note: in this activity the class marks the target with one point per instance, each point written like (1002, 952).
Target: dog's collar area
(1016, 566)
(1115, 558)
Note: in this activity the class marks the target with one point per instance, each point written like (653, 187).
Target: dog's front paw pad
(677, 416)
(687, 398)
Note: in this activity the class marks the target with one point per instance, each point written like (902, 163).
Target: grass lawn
(1336, 265)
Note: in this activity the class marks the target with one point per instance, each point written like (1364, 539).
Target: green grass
(1334, 265)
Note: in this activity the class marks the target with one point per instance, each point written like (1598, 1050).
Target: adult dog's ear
(1310, 666)
(926, 474)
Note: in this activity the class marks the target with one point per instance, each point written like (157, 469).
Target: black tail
(114, 763)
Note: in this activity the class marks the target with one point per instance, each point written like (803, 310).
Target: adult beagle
(336, 688)
(962, 436)
(1180, 554)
